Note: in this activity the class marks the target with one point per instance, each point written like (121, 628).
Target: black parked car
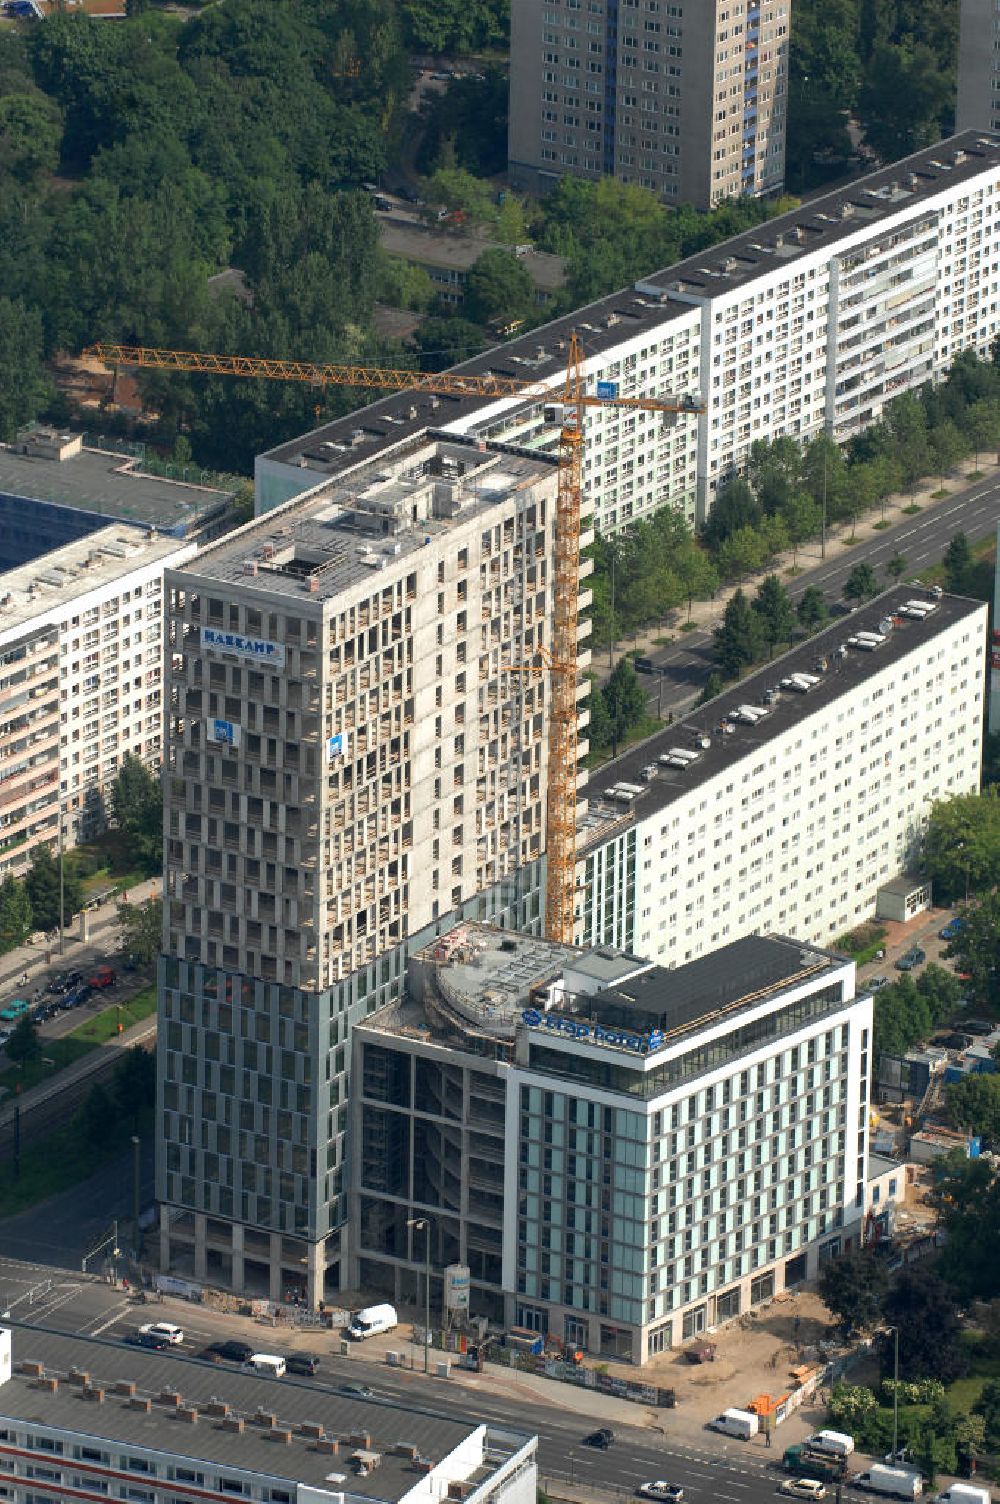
(306, 1363)
(63, 981)
(147, 1339)
(231, 1352)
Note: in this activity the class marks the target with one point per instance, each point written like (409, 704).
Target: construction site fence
(548, 1367)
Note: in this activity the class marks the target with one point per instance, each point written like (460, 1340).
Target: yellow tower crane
(568, 408)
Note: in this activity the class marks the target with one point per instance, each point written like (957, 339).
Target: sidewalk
(707, 615)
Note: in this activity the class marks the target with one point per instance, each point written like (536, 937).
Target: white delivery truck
(837, 1443)
(268, 1365)
(964, 1493)
(891, 1482)
(371, 1321)
(743, 1424)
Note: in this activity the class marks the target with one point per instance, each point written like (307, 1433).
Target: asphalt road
(921, 539)
(709, 1470)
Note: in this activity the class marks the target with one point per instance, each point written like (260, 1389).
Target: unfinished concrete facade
(350, 764)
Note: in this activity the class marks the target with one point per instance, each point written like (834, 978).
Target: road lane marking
(116, 1315)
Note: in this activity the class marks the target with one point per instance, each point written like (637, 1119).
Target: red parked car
(103, 977)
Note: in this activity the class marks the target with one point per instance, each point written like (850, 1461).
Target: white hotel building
(81, 674)
(621, 1155)
(788, 808)
(809, 323)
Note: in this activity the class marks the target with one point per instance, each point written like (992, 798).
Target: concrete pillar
(274, 1292)
(200, 1246)
(238, 1277)
(164, 1239)
(315, 1274)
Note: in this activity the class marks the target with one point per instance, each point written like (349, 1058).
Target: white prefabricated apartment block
(349, 762)
(788, 801)
(809, 323)
(688, 101)
(81, 670)
(621, 1155)
(83, 1420)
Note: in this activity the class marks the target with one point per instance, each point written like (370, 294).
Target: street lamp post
(895, 1390)
(416, 1223)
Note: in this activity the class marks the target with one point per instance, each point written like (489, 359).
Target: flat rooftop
(540, 355)
(34, 589)
(455, 252)
(320, 543)
(669, 1002)
(295, 1403)
(835, 668)
(879, 1164)
(111, 485)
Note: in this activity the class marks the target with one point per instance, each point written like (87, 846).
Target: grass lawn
(108, 863)
(55, 1162)
(964, 1393)
(94, 1032)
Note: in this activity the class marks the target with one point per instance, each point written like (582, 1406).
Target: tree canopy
(961, 846)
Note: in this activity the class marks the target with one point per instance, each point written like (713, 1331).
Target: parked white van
(372, 1320)
(268, 1365)
(837, 1443)
(743, 1424)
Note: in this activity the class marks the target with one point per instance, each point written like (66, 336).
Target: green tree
(958, 564)
(15, 914)
(811, 609)
(498, 286)
(825, 475)
(981, 425)
(141, 928)
(740, 554)
(599, 729)
(988, 1406)
(30, 134)
(735, 507)
(803, 519)
(966, 1197)
(133, 1083)
(136, 804)
(24, 1045)
(961, 844)
(695, 572)
(42, 884)
(861, 583)
(976, 947)
(947, 447)
(446, 26)
(922, 1306)
(98, 1116)
(895, 567)
(625, 701)
(904, 100)
(714, 685)
(739, 637)
(444, 342)
(774, 608)
(853, 1287)
(902, 1018)
(973, 1105)
(24, 385)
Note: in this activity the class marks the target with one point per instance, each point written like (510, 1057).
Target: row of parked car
(66, 990)
(162, 1335)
